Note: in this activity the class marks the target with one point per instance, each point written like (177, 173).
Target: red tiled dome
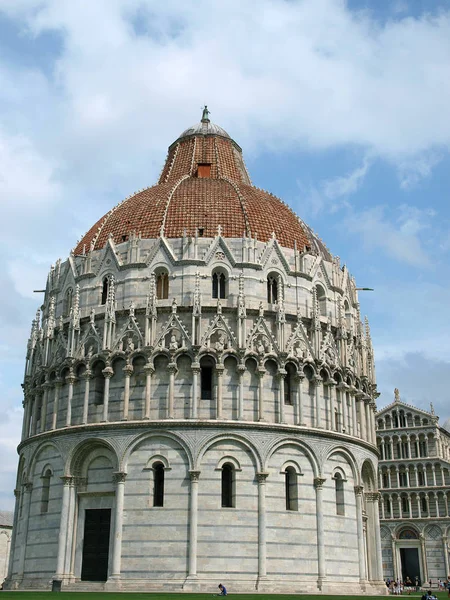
(204, 184)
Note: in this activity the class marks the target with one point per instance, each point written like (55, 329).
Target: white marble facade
(414, 479)
(230, 433)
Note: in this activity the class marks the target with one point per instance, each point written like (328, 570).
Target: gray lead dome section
(204, 128)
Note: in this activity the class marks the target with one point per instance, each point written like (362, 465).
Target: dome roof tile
(203, 185)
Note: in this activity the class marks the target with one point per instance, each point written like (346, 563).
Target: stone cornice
(183, 424)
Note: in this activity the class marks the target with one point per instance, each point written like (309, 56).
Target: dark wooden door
(97, 524)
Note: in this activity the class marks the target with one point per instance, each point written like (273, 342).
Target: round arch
(254, 452)
(309, 453)
(123, 463)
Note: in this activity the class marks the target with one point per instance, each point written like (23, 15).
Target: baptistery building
(199, 398)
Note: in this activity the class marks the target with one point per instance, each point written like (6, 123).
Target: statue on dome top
(205, 115)
(397, 395)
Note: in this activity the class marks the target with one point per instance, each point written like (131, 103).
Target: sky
(342, 109)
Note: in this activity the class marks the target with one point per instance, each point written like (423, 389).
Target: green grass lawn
(7, 595)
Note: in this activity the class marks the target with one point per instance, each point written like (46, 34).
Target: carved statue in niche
(300, 350)
(330, 355)
(129, 344)
(261, 345)
(173, 343)
(221, 342)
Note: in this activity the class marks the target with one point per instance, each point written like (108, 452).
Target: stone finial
(432, 409)
(396, 395)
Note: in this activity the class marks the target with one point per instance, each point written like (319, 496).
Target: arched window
(228, 482)
(206, 378)
(385, 480)
(387, 504)
(348, 316)
(219, 283)
(98, 383)
(291, 488)
(45, 490)
(339, 489)
(162, 285)
(68, 298)
(158, 484)
(424, 504)
(322, 300)
(272, 288)
(405, 506)
(105, 288)
(289, 385)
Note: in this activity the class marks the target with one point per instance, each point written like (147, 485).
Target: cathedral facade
(199, 398)
(414, 480)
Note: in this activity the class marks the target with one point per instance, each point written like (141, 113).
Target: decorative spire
(197, 298)
(151, 298)
(241, 300)
(205, 115)
(51, 322)
(76, 309)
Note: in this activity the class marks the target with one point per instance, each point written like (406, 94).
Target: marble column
(219, 399)
(361, 411)
(36, 400)
(46, 387)
(281, 375)
(128, 371)
(424, 557)
(172, 366)
(193, 523)
(27, 488)
(195, 374)
(318, 414)
(262, 550)
(299, 398)
(321, 567)
(119, 480)
(360, 533)
(445, 549)
(58, 385)
(260, 372)
(26, 407)
(149, 370)
(63, 525)
(70, 380)
(87, 375)
(352, 398)
(12, 548)
(374, 500)
(107, 374)
(241, 371)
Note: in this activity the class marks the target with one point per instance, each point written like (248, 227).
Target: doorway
(410, 563)
(97, 525)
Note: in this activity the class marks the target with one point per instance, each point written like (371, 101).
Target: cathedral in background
(414, 479)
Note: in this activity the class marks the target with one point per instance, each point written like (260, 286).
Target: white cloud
(309, 73)
(397, 238)
(348, 184)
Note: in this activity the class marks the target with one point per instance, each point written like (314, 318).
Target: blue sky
(341, 108)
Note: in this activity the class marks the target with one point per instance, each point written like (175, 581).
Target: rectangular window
(206, 377)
